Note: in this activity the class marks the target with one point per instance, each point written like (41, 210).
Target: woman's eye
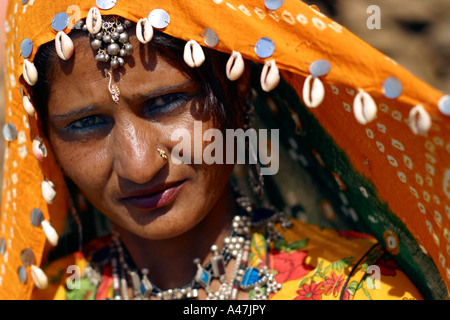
(167, 102)
(87, 123)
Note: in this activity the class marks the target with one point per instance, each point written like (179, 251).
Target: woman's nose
(136, 156)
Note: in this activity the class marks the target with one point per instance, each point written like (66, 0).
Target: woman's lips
(156, 199)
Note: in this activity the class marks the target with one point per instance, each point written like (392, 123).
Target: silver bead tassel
(111, 41)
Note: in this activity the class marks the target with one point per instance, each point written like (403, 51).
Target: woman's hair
(224, 100)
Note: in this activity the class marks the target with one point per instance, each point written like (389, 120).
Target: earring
(162, 153)
(255, 177)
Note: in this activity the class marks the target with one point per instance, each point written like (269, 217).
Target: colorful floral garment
(310, 263)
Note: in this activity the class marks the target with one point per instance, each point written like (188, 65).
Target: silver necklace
(260, 281)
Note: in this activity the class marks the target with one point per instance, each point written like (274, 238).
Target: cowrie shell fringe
(314, 94)
(39, 277)
(30, 73)
(48, 191)
(235, 66)
(94, 20)
(419, 120)
(50, 233)
(144, 31)
(39, 149)
(28, 106)
(64, 45)
(270, 76)
(193, 54)
(364, 107)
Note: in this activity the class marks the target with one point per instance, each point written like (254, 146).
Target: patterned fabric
(391, 182)
(307, 264)
(340, 196)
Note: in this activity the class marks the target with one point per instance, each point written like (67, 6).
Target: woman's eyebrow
(161, 91)
(73, 113)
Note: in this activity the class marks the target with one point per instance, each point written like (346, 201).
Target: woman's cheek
(87, 165)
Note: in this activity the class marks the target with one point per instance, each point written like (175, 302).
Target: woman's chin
(162, 223)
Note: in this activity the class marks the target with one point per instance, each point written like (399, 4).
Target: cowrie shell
(64, 45)
(419, 120)
(270, 76)
(144, 30)
(313, 94)
(39, 277)
(364, 107)
(39, 149)
(94, 20)
(28, 106)
(235, 66)
(50, 233)
(48, 191)
(193, 54)
(30, 73)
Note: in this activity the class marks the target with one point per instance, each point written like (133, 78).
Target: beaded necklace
(259, 280)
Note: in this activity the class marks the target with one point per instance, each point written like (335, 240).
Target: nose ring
(162, 153)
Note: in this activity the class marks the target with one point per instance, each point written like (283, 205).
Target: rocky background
(415, 33)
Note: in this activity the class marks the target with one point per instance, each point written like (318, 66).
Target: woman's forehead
(83, 74)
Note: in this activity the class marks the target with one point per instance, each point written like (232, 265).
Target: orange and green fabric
(392, 182)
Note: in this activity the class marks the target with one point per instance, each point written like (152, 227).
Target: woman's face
(110, 150)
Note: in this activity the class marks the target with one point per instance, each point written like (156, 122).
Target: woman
(103, 105)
